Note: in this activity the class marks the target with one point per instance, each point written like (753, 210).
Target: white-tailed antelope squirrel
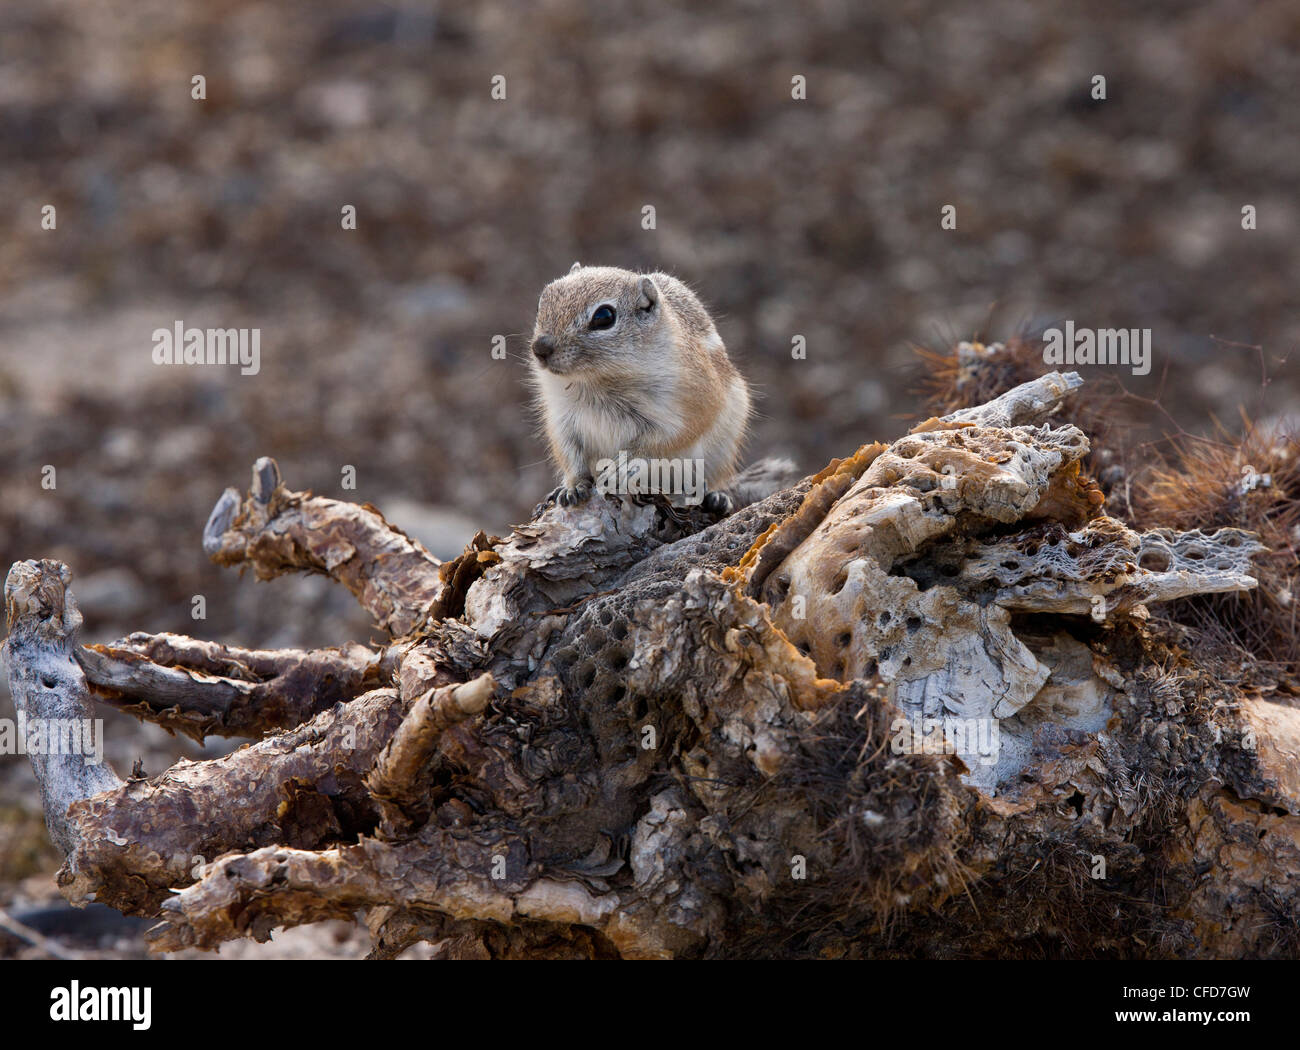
(629, 369)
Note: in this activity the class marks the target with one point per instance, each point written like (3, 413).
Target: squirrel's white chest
(604, 426)
(599, 429)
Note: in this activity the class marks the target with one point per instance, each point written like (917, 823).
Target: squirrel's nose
(543, 347)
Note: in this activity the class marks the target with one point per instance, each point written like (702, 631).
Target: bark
(912, 705)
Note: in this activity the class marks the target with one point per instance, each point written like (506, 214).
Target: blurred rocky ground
(817, 218)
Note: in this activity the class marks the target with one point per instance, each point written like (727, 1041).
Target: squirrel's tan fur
(657, 383)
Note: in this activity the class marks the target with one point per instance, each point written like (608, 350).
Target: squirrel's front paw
(569, 495)
(719, 503)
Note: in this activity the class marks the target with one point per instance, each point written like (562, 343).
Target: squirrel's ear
(575, 267)
(649, 294)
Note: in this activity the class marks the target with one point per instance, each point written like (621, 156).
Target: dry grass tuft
(1252, 482)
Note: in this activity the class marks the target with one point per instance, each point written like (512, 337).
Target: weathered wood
(625, 729)
(49, 687)
(202, 688)
(277, 531)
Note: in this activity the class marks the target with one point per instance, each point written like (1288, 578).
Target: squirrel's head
(592, 320)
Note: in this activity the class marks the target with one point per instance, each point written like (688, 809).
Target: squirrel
(629, 367)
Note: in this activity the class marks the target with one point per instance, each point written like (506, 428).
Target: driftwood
(911, 705)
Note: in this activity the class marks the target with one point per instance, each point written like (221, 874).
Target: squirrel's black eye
(602, 318)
